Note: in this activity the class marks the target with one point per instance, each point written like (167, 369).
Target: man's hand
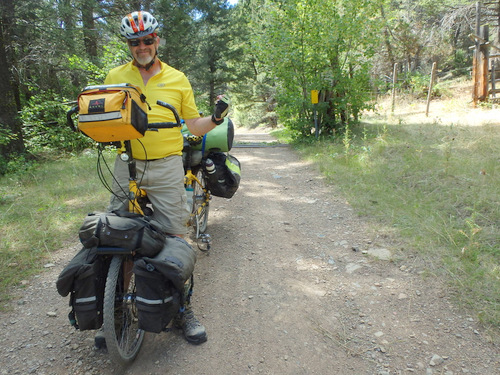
(221, 109)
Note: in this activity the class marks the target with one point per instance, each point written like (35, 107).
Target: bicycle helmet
(137, 24)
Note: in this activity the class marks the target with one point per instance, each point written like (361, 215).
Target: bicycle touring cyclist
(159, 153)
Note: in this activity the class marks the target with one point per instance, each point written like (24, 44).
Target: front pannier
(84, 278)
(157, 300)
(160, 283)
(224, 182)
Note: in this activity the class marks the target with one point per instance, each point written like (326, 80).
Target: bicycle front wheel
(120, 321)
(200, 204)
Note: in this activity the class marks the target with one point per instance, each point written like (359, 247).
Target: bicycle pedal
(204, 242)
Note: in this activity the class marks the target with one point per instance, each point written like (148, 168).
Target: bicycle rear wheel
(200, 204)
(120, 322)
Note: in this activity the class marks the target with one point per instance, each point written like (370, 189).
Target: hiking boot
(99, 339)
(194, 331)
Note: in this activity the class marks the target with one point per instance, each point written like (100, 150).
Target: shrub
(45, 128)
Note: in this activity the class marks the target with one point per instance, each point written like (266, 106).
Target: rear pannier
(123, 229)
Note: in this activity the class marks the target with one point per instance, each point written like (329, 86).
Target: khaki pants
(163, 180)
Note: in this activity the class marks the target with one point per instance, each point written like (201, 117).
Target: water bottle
(212, 175)
(210, 166)
(189, 194)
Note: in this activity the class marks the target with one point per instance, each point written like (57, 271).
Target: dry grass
(455, 107)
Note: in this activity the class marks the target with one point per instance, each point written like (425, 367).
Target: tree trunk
(387, 39)
(11, 138)
(67, 14)
(211, 89)
(89, 33)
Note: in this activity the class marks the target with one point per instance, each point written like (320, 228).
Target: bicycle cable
(100, 173)
(102, 160)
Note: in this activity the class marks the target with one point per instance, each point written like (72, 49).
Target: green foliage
(113, 54)
(217, 33)
(6, 136)
(417, 83)
(45, 128)
(14, 164)
(296, 45)
(267, 54)
(44, 114)
(177, 51)
(459, 63)
(312, 45)
(419, 33)
(254, 86)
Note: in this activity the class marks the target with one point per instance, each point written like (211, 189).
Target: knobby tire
(121, 331)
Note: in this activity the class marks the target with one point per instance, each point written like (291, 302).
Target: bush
(15, 163)
(45, 128)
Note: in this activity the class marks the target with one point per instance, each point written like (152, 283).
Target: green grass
(41, 211)
(438, 187)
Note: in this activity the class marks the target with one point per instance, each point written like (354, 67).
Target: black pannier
(160, 283)
(157, 300)
(226, 179)
(84, 278)
(123, 229)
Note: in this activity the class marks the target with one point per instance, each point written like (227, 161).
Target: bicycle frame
(197, 182)
(189, 179)
(137, 201)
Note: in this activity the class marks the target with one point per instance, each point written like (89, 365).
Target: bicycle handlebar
(162, 125)
(172, 108)
(69, 119)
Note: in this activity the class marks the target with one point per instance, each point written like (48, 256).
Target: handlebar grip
(171, 108)
(69, 119)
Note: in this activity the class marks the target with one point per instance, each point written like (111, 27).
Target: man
(159, 153)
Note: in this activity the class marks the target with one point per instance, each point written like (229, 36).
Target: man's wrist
(217, 122)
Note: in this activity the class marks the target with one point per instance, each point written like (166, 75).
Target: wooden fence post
(394, 82)
(431, 83)
(485, 59)
(493, 79)
(475, 62)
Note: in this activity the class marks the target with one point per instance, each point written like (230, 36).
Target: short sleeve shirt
(170, 86)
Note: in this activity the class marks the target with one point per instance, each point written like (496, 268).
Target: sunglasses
(137, 42)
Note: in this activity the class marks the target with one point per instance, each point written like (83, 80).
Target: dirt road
(296, 283)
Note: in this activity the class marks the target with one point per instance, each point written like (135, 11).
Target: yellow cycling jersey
(170, 86)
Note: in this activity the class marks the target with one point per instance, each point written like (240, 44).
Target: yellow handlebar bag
(110, 113)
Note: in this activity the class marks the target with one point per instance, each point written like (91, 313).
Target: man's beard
(144, 60)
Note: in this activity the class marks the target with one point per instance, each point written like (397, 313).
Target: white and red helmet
(137, 24)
